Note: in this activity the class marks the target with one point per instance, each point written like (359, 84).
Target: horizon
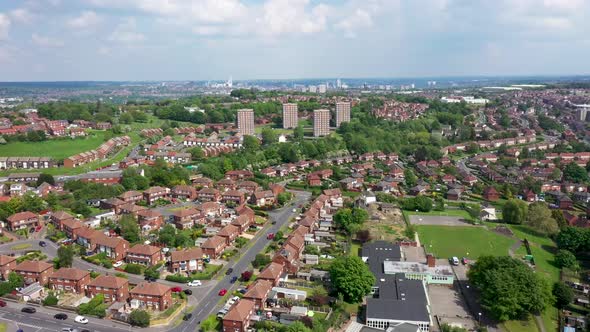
(136, 40)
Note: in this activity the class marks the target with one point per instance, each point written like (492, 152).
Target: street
(204, 299)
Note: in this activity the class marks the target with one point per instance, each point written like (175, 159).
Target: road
(209, 303)
(205, 298)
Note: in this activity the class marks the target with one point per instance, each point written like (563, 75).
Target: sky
(110, 40)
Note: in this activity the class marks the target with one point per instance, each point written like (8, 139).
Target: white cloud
(21, 15)
(126, 32)
(4, 26)
(85, 20)
(359, 19)
(103, 50)
(44, 41)
(291, 17)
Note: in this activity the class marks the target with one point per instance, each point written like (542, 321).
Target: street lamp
(479, 318)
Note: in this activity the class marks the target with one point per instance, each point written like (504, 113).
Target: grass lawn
(450, 212)
(448, 241)
(56, 149)
(354, 249)
(520, 325)
(21, 246)
(3, 327)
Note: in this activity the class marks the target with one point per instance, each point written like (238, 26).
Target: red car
(2, 303)
(222, 292)
(176, 289)
(270, 236)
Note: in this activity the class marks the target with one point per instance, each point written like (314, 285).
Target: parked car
(233, 279)
(270, 236)
(176, 289)
(2, 303)
(229, 271)
(187, 316)
(151, 279)
(194, 283)
(42, 244)
(81, 320)
(118, 264)
(243, 290)
(454, 260)
(222, 292)
(465, 260)
(274, 222)
(221, 313)
(188, 292)
(60, 316)
(29, 310)
(69, 329)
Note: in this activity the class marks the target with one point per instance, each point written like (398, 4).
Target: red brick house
(184, 192)
(69, 280)
(114, 247)
(186, 218)
(7, 265)
(214, 246)
(272, 273)
(22, 220)
(149, 220)
(208, 195)
(258, 293)
(187, 261)
(151, 295)
(132, 209)
(237, 197)
(34, 271)
(113, 204)
(314, 180)
(244, 210)
(203, 182)
(242, 223)
(131, 196)
(229, 233)
(564, 202)
(263, 198)
(144, 254)
(239, 175)
(491, 194)
(70, 226)
(529, 195)
(57, 218)
(248, 186)
(113, 288)
(238, 317)
(289, 258)
(152, 194)
(226, 184)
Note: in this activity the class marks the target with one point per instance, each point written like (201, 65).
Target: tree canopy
(514, 211)
(351, 278)
(509, 289)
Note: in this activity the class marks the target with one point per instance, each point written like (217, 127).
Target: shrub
(95, 307)
(134, 268)
(177, 278)
(139, 318)
(51, 299)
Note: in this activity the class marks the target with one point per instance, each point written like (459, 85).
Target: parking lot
(438, 220)
(448, 305)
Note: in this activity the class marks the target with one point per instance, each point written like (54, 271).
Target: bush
(51, 299)
(246, 275)
(134, 268)
(177, 278)
(139, 318)
(96, 307)
(261, 260)
(153, 271)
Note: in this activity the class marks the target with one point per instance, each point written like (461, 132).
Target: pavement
(205, 299)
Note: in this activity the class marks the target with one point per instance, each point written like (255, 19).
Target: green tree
(298, 326)
(284, 197)
(196, 153)
(351, 278)
(559, 218)
(410, 178)
(152, 272)
(565, 258)
(80, 207)
(574, 239)
(65, 256)
(298, 132)
(167, 235)
(44, 177)
(139, 318)
(539, 218)
(514, 211)
(129, 228)
(509, 289)
(251, 143)
(126, 118)
(50, 299)
(573, 172)
(269, 136)
(261, 260)
(564, 295)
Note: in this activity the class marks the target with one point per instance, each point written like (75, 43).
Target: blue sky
(213, 39)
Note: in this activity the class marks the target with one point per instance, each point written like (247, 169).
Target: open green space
(527, 325)
(449, 212)
(55, 148)
(472, 242)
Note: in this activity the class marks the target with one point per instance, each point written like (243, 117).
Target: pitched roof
(109, 282)
(143, 249)
(33, 266)
(228, 230)
(110, 242)
(21, 216)
(150, 288)
(69, 273)
(213, 242)
(258, 290)
(273, 271)
(186, 255)
(6, 259)
(61, 215)
(185, 212)
(240, 311)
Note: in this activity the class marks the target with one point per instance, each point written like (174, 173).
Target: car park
(60, 316)
(81, 320)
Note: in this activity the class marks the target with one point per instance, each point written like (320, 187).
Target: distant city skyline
(177, 40)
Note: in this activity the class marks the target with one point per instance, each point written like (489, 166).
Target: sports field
(471, 242)
(56, 149)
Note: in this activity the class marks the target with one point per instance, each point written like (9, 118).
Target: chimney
(430, 260)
